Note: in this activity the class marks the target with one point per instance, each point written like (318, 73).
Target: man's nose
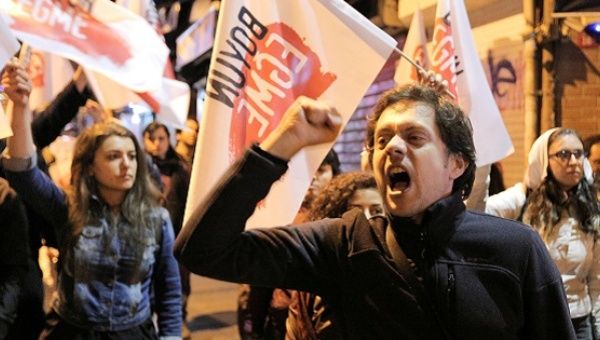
(396, 147)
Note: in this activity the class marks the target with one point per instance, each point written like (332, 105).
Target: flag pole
(412, 62)
(420, 68)
(25, 54)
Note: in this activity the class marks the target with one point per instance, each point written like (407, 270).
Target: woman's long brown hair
(139, 201)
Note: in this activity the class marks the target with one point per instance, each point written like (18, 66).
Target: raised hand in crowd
(16, 82)
(306, 122)
(80, 79)
(433, 79)
(17, 86)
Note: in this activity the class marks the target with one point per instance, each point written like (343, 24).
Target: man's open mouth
(399, 180)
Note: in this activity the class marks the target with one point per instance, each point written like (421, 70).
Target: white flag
(104, 38)
(8, 43)
(456, 58)
(170, 101)
(415, 47)
(5, 130)
(266, 54)
(8, 47)
(442, 47)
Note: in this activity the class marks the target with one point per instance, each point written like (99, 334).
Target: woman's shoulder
(159, 214)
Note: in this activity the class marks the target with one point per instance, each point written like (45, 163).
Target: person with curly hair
(431, 270)
(559, 202)
(347, 191)
(262, 311)
(309, 317)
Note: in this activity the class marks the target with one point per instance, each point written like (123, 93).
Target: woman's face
(189, 135)
(157, 143)
(323, 176)
(565, 160)
(115, 165)
(367, 200)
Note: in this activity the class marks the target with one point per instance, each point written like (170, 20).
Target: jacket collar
(438, 224)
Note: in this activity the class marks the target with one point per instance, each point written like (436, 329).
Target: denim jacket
(103, 283)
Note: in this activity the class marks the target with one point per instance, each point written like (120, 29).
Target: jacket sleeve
(38, 191)
(49, 123)
(546, 309)
(594, 284)
(213, 242)
(167, 285)
(176, 198)
(506, 204)
(14, 252)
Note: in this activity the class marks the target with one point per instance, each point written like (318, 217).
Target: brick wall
(577, 63)
(500, 48)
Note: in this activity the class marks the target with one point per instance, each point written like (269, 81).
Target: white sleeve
(507, 204)
(594, 284)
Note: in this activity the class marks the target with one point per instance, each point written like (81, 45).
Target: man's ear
(457, 165)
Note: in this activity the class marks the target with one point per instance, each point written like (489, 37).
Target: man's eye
(416, 138)
(382, 140)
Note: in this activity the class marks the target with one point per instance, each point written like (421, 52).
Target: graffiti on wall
(505, 74)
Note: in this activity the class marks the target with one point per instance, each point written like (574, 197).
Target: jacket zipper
(423, 235)
(450, 299)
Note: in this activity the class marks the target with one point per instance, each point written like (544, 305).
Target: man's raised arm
(214, 229)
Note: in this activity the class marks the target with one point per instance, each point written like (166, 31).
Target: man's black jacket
(489, 278)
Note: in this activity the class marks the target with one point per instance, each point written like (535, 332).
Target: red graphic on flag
(442, 56)
(70, 24)
(420, 58)
(283, 69)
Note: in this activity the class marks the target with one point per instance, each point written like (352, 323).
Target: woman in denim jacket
(114, 238)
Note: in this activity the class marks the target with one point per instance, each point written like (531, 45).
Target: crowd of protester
(106, 219)
(463, 274)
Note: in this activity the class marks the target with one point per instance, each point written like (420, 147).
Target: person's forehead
(407, 113)
(117, 143)
(158, 133)
(192, 124)
(566, 141)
